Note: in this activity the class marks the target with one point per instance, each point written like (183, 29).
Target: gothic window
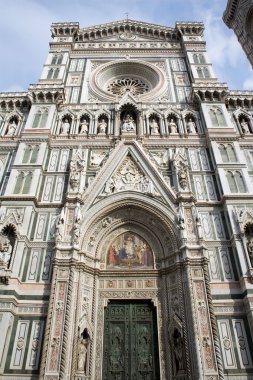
(56, 73)
(231, 153)
(223, 153)
(40, 118)
(236, 182)
(227, 153)
(53, 73)
(203, 72)
(217, 117)
(57, 59)
(240, 182)
(198, 58)
(50, 73)
(23, 183)
(30, 154)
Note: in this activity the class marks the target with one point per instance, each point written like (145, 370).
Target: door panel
(130, 342)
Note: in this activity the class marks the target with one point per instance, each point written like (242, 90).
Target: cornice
(243, 99)
(46, 93)
(190, 28)
(10, 101)
(128, 28)
(210, 92)
(63, 29)
(229, 13)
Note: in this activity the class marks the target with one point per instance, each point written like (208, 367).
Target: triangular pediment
(129, 169)
(127, 30)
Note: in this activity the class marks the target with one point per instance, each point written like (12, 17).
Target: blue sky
(25, 33)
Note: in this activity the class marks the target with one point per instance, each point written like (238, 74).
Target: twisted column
(67, 326)
(181, 295)
(213, 323)
(48, 324)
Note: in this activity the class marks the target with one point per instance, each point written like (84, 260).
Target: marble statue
(245, 127)
(128, 124)
(65, 127)
(154, 127)
(5, 250)
(191, 126)
(173, 127)
(11, 129)
(84, 127)
(102, 127)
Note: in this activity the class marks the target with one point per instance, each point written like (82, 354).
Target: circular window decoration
(130, 85)
(115, 79)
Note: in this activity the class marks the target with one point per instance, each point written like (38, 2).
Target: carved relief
(181, 167)
(77, 170)
(129, 177)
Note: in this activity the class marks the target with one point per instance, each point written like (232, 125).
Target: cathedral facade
(126, 219)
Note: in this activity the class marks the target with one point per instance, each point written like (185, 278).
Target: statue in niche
(182, 178)
(59, 231)
(181, 167)
(83, 352)
(178, 350)
(84, 127)
(198, 222)
(5, 250)
(191, 126)
(128, 124)
(180, 218)
(77, 225)
(11, 129)
(250, 250)
(77, 166)
(154, 127)
(102, 127)
(245, 126)
(65, 126)
(172, 127)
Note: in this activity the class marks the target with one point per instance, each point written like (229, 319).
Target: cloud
(248, 83)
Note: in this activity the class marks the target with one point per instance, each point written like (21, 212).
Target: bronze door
(130, 342)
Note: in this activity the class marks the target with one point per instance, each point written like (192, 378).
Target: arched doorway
(132, 243)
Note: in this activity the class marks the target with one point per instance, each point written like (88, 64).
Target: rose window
(130, 85)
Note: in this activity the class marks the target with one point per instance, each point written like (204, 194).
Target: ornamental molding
(46, 93)
(142, 161)
(216, 92)
(244, 217)
(147, 73)
(10, 101)
(127, 30)
(229, 13)
(190, 28)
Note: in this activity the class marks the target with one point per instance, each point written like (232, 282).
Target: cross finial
(127, 14)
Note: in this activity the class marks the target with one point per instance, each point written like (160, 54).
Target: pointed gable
(127, 30)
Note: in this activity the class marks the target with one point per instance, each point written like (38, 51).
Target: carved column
(191, 323)
(213, 324)
(57, 350)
